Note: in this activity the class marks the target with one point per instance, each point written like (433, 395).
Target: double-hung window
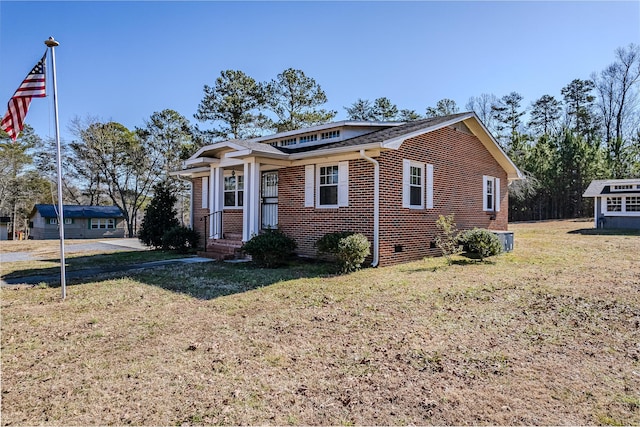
(326, 185)
(233, 191)
(490, 194)
(417, 185)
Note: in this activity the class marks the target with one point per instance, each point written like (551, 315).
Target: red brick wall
(232, 221)
(460, 160)
(307, 225)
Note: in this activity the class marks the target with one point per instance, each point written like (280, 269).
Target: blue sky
(123, 61)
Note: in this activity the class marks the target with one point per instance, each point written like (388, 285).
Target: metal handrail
(217, 225)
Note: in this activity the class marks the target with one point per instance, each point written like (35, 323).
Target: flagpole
(51, 43)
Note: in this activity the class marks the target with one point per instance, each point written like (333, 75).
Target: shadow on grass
(469, 259)
(212, 280)
(605, 232)
(87, 266)
(202, 280)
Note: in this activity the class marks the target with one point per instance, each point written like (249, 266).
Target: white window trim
(495, 196)
(236, 206)
(426, 184)
(615, 188)
(312, 185)
(105, 221)
(342, 185)
(606, 212)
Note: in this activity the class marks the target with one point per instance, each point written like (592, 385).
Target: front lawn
(547, 334)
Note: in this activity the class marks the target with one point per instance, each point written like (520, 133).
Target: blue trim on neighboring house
(79, 211)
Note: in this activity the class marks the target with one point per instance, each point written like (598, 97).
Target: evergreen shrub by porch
(160, 215)
(481, 242)
(181, 239)
(270, 249)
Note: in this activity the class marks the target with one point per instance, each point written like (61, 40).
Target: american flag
(32, 86)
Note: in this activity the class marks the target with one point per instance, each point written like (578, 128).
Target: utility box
(506, 239)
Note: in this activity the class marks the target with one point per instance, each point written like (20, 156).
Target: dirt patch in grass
(548, 334)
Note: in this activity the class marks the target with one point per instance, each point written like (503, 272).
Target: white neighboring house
(617, 203)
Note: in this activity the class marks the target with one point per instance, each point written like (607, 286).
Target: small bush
(270, 249)
(352, 250)
(481, 242)
(328, 244)
(180, 238)
(447, 236)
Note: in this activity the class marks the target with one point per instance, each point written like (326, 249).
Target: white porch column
(246, 208)
(254, 201)
(251, 200)
(217, 181)
(212, 171)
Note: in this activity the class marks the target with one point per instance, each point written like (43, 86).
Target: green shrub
(447, 236)
(481, 242)
(352, 250)
(270, 249)
(180, 238)
(328, 244)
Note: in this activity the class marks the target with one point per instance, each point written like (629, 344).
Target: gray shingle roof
(599, 187)
(379, 135)
(79, 211)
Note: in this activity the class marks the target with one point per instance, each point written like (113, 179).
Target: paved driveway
(111, 245)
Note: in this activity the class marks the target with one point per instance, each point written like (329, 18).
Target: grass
(547, 334)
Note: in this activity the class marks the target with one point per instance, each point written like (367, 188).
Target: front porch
(244, 202)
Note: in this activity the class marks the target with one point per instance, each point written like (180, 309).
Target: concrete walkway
(87, 273)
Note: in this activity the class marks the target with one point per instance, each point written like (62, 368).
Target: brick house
(389, 181)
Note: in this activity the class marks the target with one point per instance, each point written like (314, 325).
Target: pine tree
(160, 215)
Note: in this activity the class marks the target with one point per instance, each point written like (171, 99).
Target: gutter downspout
(376, 207)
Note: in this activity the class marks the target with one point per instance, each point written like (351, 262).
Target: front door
(269, 199)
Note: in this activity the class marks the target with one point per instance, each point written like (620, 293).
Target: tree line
(560, 144)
